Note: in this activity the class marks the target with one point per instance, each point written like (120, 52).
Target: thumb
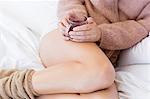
(90, 20)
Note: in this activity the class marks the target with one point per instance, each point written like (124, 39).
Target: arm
(125, 34)
(65, 6)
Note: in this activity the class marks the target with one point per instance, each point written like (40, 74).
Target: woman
(116, 22)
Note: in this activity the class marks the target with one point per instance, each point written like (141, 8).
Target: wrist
(99, 37)
(99, 40)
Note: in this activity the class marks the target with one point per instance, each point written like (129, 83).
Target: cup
(74, 23)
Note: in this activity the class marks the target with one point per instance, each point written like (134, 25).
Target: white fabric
(133, 72)
(133, 82)
(21, 25)
(139, 54)
(18, 45)
(40, 15)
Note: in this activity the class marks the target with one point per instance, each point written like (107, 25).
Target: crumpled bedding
(18, 45)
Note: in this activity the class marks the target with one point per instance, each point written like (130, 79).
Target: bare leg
(110, 93)
(72, 67)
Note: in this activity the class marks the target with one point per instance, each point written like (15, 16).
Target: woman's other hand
(64, 25)
(86, 33)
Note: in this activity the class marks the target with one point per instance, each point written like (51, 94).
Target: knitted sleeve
(65, 6)
(125, 34)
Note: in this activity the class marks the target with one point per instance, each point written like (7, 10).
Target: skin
(73, 68)
(88, 32)
(109, 93)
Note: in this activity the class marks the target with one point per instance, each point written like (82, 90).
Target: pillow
(138, 54)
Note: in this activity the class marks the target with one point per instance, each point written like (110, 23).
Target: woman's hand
(86, 33)
(64, 25)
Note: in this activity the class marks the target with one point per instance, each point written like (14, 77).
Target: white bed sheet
(133, 81)
(21, 25)
(18, 45)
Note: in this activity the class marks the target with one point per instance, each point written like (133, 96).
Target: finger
(84, 38)
(79, 40)
(67, 30)
(62, 27)
(65, 22)
(82, 33)
(90, 20)
(66, 38)
(85, 27)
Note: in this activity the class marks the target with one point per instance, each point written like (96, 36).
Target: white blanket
(18, 45)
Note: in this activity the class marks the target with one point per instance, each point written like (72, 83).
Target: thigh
(54, 50)
(110, 93)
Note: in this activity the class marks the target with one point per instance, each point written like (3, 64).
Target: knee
(99, 77)
(106, 76)
(109, 93)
